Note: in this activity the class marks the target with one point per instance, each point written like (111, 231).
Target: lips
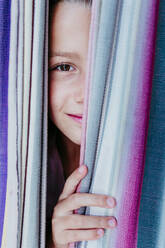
(77, 117)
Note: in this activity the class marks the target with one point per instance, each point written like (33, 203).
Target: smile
(77, 118)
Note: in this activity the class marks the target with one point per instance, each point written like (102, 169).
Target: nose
(80, 90)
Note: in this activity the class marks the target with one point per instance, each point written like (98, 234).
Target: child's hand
(68, 227)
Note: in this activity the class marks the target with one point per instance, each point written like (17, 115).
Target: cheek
(57, 97)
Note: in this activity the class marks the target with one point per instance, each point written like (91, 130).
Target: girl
(68, 48)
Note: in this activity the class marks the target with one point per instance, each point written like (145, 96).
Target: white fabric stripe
(28, 29)
(10, 224)
(26, 81)
(20, 64)
(32, 197)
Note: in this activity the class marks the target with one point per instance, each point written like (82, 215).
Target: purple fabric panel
(4, 62)
(131, 197)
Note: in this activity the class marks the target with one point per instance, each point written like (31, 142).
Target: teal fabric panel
(151, 232)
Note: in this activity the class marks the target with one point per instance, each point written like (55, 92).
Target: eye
(64, 68)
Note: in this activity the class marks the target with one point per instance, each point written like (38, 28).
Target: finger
(72, 181)
(78, 200)
(83, 235)
(85, 222)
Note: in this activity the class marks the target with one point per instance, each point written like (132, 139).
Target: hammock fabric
(23, 122)
(126, 73)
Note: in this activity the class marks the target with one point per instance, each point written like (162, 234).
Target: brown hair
(87, 3)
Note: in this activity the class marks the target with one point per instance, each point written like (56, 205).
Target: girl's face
(68, 48)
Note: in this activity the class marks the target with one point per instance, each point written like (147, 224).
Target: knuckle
(75, 198)
(91, 234)
(72, 198)
(107, 218)
(103, 200)
(69, 220)
(57, 231)
(56, 211)
(71, 236)
(54, 222)
(61, 197)
(59, 239)
(99, 233)
(78, 195)
(71, 179)
(94, 234)
(101, 222)
(67, 182)
(99, 200)
(76, 236)
(57, 225)
(70, 184)
(81, 221)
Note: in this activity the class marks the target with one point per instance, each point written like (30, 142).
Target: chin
(76, 140)
(74, 135)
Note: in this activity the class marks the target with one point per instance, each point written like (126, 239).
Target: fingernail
(81, 169)
(111, 202)
(100, 232)
(112, 222)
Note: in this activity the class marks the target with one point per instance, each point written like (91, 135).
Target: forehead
(69, 28)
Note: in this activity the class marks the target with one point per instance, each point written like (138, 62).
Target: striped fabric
(23, 122)
(115, 145)
(118, 111)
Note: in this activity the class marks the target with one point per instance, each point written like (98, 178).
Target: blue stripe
(5, 6)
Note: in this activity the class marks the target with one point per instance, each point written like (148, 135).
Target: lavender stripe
(5, 6)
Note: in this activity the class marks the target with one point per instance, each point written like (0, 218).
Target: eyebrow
(65, 54)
